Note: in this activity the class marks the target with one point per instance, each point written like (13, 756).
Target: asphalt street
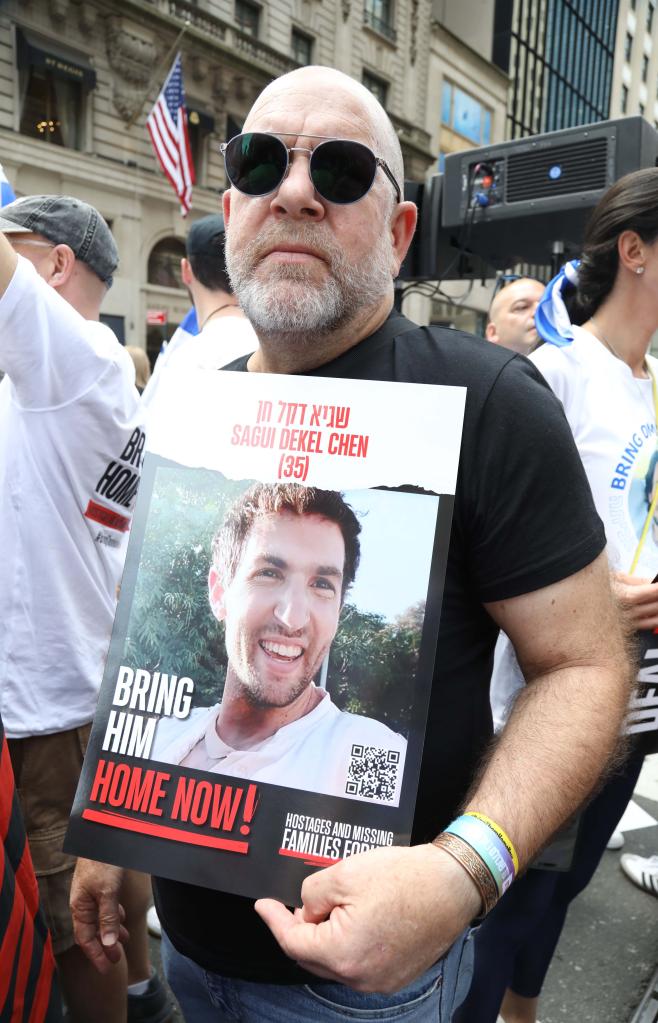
(608, 954)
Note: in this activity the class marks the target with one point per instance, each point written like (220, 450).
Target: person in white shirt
(283, 560)
(224, 332)
(71, 443)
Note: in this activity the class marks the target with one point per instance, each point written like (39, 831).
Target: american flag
(167, 126)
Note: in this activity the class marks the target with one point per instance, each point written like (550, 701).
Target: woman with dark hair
(596, 320)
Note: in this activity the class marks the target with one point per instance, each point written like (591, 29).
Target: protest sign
(263, 708)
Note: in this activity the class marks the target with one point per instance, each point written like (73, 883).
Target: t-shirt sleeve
(560, 369)
(531, 517)
(44, 343)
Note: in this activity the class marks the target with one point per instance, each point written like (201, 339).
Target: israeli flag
(551, 317)
(6, 191)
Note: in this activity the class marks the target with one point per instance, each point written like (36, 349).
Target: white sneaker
(642, 870)
(616, 840)
(153, 923)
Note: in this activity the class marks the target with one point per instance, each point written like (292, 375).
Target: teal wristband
(486, 844)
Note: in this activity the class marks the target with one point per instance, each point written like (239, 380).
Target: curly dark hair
(631, 204)
(273, 498)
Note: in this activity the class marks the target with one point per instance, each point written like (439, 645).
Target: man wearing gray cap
(71, 445)
(224, 333)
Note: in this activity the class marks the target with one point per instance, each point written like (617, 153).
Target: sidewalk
(608, 952)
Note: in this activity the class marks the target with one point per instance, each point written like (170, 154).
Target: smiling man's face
(281, 608)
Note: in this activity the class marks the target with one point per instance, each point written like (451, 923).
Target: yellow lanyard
(654, 499)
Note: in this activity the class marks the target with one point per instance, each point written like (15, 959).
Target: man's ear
(491, 333)
(403, 225)
(226, 206)
(62, 261)
(216, 594)
(186, 272)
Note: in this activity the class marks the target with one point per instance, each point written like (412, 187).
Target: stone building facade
(78, 78)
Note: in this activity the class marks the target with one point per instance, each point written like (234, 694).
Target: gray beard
(289, 304)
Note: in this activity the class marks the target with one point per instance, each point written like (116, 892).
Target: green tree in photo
(372, 663)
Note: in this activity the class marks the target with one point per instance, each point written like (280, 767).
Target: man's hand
(377, 920)
(97, 915)
(639, 598)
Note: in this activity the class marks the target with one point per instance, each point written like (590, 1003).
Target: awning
(37, 51)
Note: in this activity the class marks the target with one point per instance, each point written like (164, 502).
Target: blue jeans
(209, 998)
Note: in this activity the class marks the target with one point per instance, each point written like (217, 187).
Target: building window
(628, 47)
(645, 67)
(199, 128)
(651, 10)
(624, 99)
(378, 14)
(633, 3)
(233, 126)
(302, 47)
(377, 86)
(247, 16)
(465, 115)
(164, 263)
(53, 86)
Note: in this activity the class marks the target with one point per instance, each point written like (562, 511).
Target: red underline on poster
(117, 820)
(318, 861)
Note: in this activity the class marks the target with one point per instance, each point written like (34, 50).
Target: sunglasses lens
(255, 162)
(342, 171)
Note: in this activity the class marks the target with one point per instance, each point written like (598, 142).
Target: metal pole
(163, 63)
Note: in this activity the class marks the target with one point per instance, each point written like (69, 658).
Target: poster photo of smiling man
(283, 560)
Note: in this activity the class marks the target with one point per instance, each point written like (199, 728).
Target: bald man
(512, 316)
(316, 231)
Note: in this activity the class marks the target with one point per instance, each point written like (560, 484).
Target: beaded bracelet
(473, 865)
(488, 846)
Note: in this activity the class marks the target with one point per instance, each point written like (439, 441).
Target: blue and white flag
(6, 191)
(551, 316)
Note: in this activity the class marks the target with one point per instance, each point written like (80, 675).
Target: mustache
(313, 236)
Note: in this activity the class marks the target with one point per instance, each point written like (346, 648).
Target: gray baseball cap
(64, 220)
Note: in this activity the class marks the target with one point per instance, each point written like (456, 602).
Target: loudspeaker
(515, 201)
(435, 254)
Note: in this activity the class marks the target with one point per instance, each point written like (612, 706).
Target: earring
(639, 270)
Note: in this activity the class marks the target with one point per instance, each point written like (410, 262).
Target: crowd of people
(549, 571)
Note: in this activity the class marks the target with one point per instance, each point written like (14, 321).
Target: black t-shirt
(523, 519)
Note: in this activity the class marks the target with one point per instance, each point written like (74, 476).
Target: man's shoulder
(434, 354)
(455, 352)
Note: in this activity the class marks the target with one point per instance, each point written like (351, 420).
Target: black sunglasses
(342, 171)
(503, 280)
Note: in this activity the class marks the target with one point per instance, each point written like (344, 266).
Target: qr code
(373, 772)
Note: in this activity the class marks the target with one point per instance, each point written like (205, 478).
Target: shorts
(46, 770)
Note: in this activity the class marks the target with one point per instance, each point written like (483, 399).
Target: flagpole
(164, 63)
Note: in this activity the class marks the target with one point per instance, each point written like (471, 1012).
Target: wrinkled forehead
(296, 107)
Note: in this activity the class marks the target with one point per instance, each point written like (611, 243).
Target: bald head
(512, 315)
(291, 92)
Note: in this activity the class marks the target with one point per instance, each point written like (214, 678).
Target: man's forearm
(562, 735)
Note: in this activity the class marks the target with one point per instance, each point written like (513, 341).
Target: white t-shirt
(326, 751)
(612, 418)
(70, 449)
(220, 342)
